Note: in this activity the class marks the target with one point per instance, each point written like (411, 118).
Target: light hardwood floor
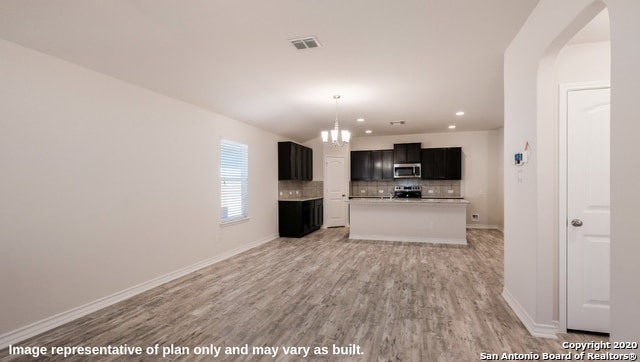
(394, 301)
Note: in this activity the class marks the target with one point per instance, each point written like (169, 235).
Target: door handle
(576, 222)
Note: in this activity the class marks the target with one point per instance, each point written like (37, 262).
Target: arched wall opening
(584, 58)
(531, 191)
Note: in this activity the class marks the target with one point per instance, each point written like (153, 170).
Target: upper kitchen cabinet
(361, 169)
(382, 164)
(442, 163)
(295, 162)
(406, 153)
(372, 165)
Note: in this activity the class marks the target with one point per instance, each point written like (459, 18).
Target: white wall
(497, 188)
(481, 161)
(625, 171)
(106, 185)
(585, 62)
(575, 63)
(530, 212)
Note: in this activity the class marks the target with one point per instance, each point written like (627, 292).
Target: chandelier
(344, 134)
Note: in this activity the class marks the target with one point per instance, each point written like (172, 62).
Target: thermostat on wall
(518, 159)
(521, 158)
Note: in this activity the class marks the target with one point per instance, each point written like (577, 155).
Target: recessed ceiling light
(367, 131)
(360, 120)
(452, 126)
(460, 113)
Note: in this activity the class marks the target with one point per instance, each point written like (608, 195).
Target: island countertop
(386, 200)
(298, 199)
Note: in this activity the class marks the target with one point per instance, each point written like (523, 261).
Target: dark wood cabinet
(317, 216)
(295, 162)
(454, 163)
(372, 165)
(361, 166)
(442, 163)
(382, 165)
(299, 218)
(407, 153)
(309, 164)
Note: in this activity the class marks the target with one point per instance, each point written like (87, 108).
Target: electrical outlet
(450, 191)
(363, 191)
(381, 191)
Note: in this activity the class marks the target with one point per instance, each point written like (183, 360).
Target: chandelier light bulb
(325, 136)
(344, 135)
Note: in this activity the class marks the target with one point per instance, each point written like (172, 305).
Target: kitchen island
(442, 221)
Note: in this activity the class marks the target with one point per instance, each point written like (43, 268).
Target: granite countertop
(377, 200)
(302, 199)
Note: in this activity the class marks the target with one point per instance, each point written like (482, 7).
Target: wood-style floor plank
(394, 301)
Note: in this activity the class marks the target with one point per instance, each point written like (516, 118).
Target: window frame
(234, 182)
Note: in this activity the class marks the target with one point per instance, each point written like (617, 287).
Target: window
(233, 181)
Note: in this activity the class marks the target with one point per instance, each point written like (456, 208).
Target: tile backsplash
(297, 189)
(430, 188)
(441, 188)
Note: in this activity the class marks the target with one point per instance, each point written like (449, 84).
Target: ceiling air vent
(305, 43)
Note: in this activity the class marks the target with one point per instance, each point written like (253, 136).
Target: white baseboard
(46, 324)
(413, 239)
(536, 330)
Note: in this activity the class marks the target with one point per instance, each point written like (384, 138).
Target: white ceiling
(414, 60)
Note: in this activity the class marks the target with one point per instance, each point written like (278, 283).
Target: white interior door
(334, 179)
(588, 216)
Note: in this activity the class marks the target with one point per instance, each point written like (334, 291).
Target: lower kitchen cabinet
(298, 218)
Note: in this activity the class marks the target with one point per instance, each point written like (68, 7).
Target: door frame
(563, 192)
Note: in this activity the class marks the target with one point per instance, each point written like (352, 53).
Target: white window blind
(233, 181)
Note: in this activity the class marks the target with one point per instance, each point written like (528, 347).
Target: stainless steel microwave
(406, 170)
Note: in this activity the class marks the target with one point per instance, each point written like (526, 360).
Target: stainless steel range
(408, 192)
